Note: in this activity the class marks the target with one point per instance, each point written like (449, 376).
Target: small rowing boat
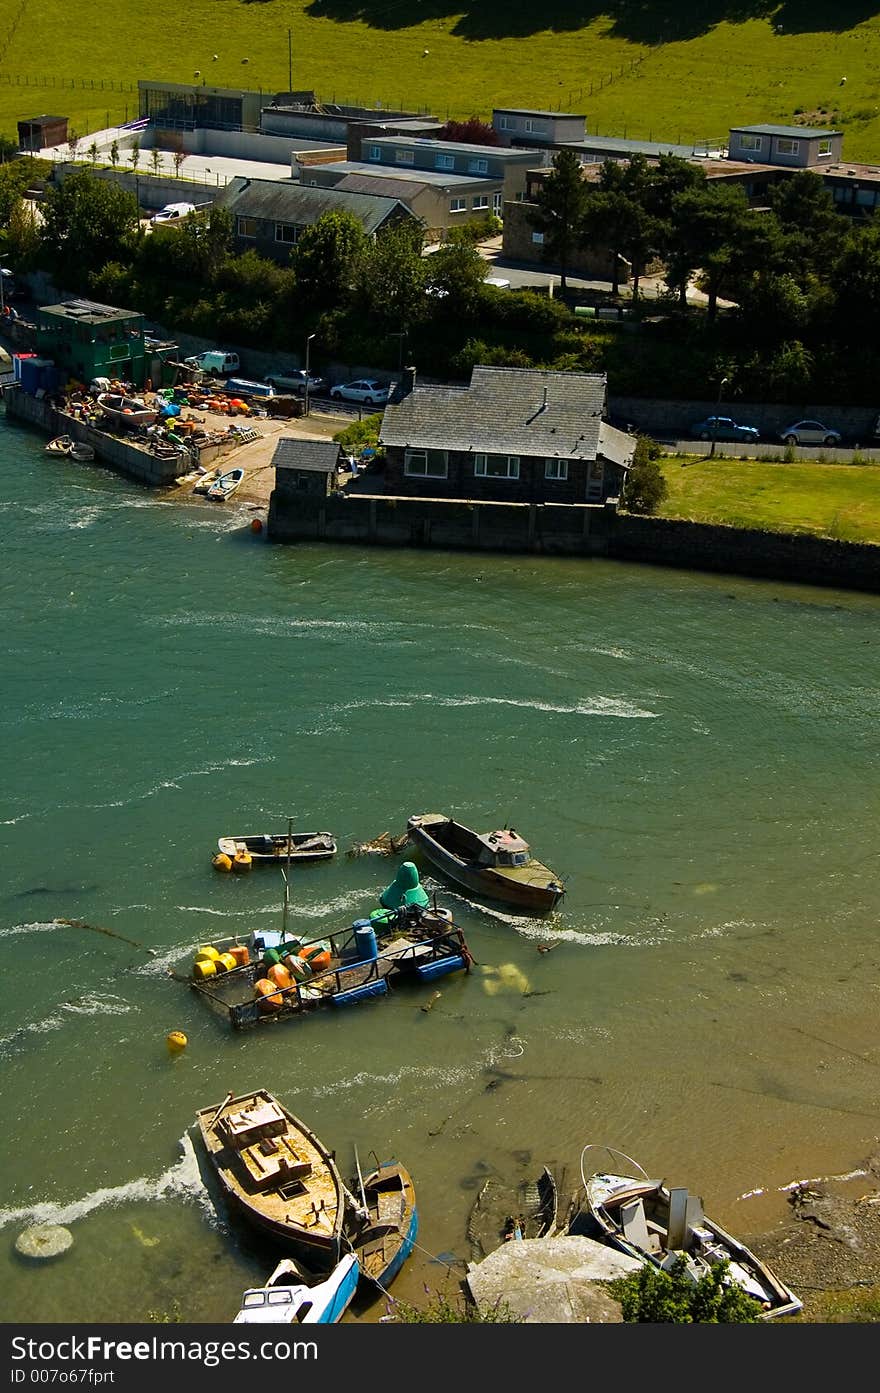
(61, 445)
(290, 1298)
(383, 1232)
(207, 479)
(277, 846)
(84, 453)
(226, 484)
(498, 865)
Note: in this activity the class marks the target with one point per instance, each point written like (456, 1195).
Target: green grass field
(617, 71)
(829, 500)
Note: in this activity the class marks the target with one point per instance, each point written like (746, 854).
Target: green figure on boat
(405, 889)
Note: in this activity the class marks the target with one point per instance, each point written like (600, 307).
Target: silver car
(809, 433)
(365, 389)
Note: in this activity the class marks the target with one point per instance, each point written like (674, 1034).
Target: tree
(178, 152)
(652, 1296)
(114, 153)
(93, 153)
(393, 276)
(327, 258)
(156, 159)
(87, 221)
(812, 227)
(724, 237)
(470, 132)
(618, 214)
(644, 487)
(560, 204)
(135, 154)
(455, 276)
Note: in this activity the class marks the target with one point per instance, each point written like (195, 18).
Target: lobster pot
(365, 940)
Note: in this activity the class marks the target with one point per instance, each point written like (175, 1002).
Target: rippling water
(696, 755)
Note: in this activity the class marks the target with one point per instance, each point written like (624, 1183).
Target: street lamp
(721, 385)
(306, 394)
(400, 335)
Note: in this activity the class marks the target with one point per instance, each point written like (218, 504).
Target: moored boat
(278, 1173)
(498, 864)
(226, 484)
(126, 411)
(383, 1231)
(277, 846)
(209, 477)
(663, 1225)
(289, 1298)
(84, 453)
(61, 445)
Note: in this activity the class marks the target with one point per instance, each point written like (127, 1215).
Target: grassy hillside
(612, 65)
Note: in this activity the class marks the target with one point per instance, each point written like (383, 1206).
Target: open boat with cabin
(663, 1225)
(498, 865)
(278, 846)
(290, 1298)
(278, 1173)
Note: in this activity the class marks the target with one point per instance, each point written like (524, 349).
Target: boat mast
(286, 875)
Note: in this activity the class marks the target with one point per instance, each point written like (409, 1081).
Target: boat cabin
(259, 1134)
(503, 848)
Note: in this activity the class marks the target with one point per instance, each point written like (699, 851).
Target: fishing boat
(663, 1225)
(498, 865)
(61, 445)
(277, 975)
(278, 1173)
(226, 484)
(126, 411)
(289, 1298)
(383, 1231)
(277, 846)
(84, 453)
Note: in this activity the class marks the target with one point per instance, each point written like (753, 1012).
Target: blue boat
(288, 1298)
(383, 1231)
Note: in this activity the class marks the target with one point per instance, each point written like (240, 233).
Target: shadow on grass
(639, 21)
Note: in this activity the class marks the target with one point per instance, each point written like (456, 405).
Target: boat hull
(325, 1302)
(487, 883)
(277, 851)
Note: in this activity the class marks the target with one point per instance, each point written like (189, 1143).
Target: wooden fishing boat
(498, 865)
(126, 411)
(382, 1232)
(662, 1225)
(84, 453)
(61, 445)
(278, 1173)
(290, 1298)
(277, 975)
(277, 846)
(226, 484)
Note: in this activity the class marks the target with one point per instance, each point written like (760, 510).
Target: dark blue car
(723, 428)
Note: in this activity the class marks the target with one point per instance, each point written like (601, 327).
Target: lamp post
(400, 335)
(306, 393)
(721, 385)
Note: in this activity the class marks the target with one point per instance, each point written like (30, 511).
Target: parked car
(215, 360)
(810, 433)
(724, 428)
(365, 389)
(876, 430)
(296, 382)
(173, 212)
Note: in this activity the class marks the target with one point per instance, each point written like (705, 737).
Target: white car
(295, 381)
(365, 389)
(809, 433)
(173, 212)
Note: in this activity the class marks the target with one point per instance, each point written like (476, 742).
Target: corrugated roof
(277, 200)
(292, 452)
(518, 411)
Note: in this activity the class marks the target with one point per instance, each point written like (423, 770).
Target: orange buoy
(241, 954)
(317, 958)
(256, 524)
(268, 995)
(279, 974)
(176, 1042)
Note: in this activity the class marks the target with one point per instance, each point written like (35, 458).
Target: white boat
(226, 484)
(126, 411)
(209, 477)
(83, 453)
(664, 1225)
(61, 445)
(289, 1299)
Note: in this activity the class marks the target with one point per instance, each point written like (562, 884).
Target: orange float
(317, 958)
(279, 974)
(240, 952)
(268, 995)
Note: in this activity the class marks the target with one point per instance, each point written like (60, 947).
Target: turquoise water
(696, 755)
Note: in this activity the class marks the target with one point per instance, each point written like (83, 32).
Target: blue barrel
(365, 938)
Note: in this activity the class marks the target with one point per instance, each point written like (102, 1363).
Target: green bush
(651, 1296)
(442, 1310)
(644, 488)
(360, 434)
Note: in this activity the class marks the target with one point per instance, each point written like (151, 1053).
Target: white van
(173, 212)
(216, 361)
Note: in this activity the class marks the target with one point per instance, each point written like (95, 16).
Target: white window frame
(482, 466)
(403, 156)
(506, 123)
(281, 228)
(556, 470)
(478, 166)
(497, 204)
(458, 205)
(436, 464)
(240, 228)
(785, 145)
(375, 152)
(825, 150)
(444, 162)
(753, 143)
(480, 201)
(535, 127)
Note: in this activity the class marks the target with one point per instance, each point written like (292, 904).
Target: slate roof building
(305, 467)
(270, 214)
(519, 435)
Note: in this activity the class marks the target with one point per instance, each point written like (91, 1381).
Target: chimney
(406, 384)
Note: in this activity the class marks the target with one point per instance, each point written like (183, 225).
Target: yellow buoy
(204, 967)
(225, 963)
(176, 1042)
(222, 862)
(207, 951)
(242, 860)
